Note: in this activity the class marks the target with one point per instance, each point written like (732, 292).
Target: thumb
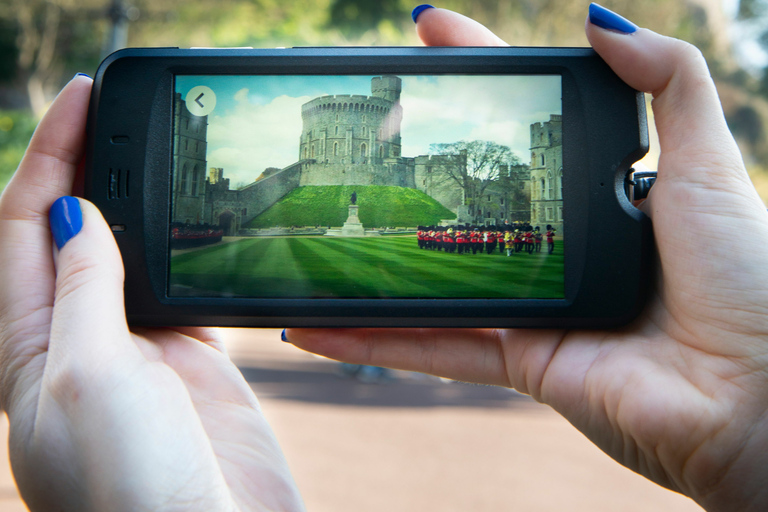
(88, 322)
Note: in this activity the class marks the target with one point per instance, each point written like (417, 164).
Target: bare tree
(38, 24)
(473, 166)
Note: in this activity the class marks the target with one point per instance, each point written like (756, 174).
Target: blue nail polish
(418, 10)
(66, 219)
(80, 74)
(609, 20)
(283, 337)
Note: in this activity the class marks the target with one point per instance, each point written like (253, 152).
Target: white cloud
(248, 138)
(456, 108)
(254, 137)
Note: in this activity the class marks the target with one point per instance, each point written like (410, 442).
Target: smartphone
(392, 187)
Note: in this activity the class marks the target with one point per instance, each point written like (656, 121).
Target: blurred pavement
(418, 443)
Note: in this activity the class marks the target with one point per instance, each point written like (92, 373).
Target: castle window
(543, 187)
(337, 120)
(550, 186)
(337, 128)
(542, 159)
(550, 213)
(381, 151)
(183, 183)
(335, 149)
(195, 175)
(365, 130)
(363, 150)
(365, 118)
(313, 151)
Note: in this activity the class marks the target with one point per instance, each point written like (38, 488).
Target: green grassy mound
(379, 207)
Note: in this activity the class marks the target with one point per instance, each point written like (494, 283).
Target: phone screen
(406, 186)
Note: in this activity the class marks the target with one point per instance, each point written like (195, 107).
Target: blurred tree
(355, 17)
(753, 14)
(50, 37)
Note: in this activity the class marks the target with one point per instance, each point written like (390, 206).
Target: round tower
(547, 172)
(352, 136)
(388, 87)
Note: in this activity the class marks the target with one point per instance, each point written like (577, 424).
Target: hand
(681, 395)
(102, 418)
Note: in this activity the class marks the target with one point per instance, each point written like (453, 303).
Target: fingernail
(283, 337)
(80, 74)
(66, 219)
(419, 10)
(609, 20)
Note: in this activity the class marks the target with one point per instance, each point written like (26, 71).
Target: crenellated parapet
(353, 135)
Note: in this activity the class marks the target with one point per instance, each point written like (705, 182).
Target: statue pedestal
(353, 226)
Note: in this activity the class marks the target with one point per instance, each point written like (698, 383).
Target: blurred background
(397, 442)
(43, 43)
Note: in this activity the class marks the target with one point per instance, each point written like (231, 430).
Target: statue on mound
(353, 198)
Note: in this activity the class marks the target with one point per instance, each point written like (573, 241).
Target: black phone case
(609, 253)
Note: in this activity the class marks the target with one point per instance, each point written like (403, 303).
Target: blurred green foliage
(81, 28)
(16, 128)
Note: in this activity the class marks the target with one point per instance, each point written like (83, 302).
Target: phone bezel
(607, 263)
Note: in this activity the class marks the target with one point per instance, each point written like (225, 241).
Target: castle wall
(430, 179)
(393, 172)
(189, 164)
(259, 196)
(547, 173)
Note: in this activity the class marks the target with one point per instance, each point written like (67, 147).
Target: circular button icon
(200, 101)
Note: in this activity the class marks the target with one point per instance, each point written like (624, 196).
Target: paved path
(417, 443)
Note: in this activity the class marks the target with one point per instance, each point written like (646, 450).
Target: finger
(702, 188)
(26, 267)
(441, 27)
(88, 324)
(686, 107)
(472, 355)
(47, 170)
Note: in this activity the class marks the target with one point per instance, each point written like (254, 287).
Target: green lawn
(361, 267)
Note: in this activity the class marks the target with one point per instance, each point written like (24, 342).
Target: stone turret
(547, 173)
(355, 139)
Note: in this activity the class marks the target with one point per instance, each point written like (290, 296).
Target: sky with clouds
(257, 119)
